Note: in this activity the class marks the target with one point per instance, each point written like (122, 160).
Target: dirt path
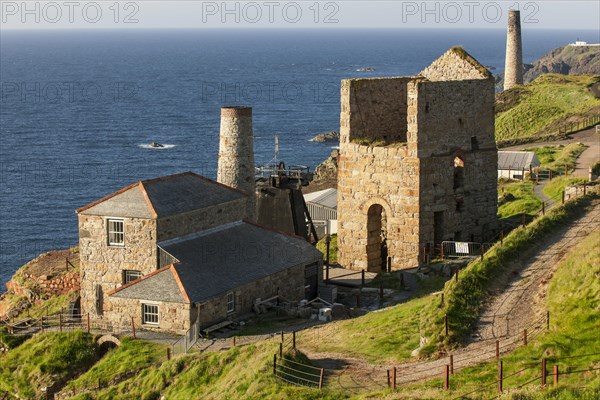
(517, 304)
(589, 137)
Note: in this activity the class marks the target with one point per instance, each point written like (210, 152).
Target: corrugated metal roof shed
(517, 160)
(325, 198)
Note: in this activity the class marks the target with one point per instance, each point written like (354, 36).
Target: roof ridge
(148, 201)
(198, 234)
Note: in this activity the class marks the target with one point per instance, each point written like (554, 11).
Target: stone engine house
(418, 163)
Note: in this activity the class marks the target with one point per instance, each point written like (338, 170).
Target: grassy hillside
(539, 108)
(573, 301)
(44, 361)
(465, 297)
(516, 198)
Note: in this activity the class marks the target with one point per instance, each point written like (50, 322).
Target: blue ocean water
(76, 107)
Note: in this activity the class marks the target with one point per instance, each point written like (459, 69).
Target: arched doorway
(376, 238)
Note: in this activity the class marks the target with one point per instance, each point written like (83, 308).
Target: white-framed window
(230, 302)
(150, 314)
(130, 275)
(115, 233)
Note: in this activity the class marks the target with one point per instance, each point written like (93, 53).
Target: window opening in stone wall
(230, 302)
(459, 167)
(150, 314)
(130, 275)
(99, 300)
(474, 143)
(376, 238)
(115, 232)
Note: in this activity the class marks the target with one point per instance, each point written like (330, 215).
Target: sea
(79, 108)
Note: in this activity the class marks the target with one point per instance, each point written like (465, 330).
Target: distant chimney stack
(236, 153)
(513, 70)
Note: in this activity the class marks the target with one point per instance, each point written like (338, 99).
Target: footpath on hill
(517, 303)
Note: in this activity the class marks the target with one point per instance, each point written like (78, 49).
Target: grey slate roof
(325, 198)
(517, 160)
(218, 260)
(163, 197)
(160, 286)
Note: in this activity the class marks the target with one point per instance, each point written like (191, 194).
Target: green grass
(539, 108)
(333, 248)
(390, 334)
(573, 301)
(45, 359)
(556, 186)
(238, 373)
(557, 157)
(596, 169)
(465, 298)
(516, 198)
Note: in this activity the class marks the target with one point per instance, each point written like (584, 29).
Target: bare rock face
(327, 170)
(326, 137)
(567, 60)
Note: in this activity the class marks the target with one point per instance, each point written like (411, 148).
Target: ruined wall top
(455, 65)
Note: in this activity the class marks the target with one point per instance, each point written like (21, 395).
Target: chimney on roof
(236, 153)
(513, 69)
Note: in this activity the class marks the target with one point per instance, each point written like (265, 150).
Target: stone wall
(289, 282)
(102, 264)
(199, 220)
(173, 317)
(456, 119)
(373, 116)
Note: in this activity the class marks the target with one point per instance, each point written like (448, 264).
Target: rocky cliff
(567, 60)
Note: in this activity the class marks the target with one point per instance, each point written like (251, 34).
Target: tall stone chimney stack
(513, 70)
(236, 153)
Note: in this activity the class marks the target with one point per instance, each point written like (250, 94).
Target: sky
(282, 14)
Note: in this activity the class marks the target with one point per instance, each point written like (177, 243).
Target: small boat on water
(155, 144)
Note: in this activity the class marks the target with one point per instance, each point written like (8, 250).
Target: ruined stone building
(513, 67)
(180, 249)
(418, 163)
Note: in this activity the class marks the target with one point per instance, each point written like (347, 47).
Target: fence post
(563, 197)
(543, 372)
(451, 364)
(499, 377)
(389, 383)
(393, 378)
(547, 320)
(294, 340)
(281, 336)
(321, 378)
(233, 340)
(497, 349)
(524, 337)
(88, 322)
(555, 375)
(566, 170)
(168, 353)
(60, 321)
(543, 208)
(446, 377)
(275, 364)
(280, 349)
(446, 323)
(134, 335)
(362, 277)
(442, 302)
(584, 188)
(523, 220)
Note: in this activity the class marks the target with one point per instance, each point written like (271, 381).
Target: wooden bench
(216, 327)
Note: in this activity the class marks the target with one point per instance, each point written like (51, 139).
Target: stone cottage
(418, 163)
(173, 251)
